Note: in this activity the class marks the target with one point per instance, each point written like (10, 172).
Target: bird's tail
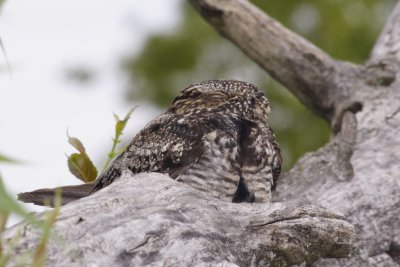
(46, 197)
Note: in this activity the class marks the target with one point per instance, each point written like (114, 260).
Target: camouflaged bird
(214, 137)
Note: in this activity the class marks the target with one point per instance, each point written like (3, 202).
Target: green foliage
(7, 159)
(40, 253)
(3, 221)
(347, 30)
(8, 206)
(119, 128)
(194, 52)
(79, 164)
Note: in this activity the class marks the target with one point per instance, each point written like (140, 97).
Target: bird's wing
(46, 197)
(168, 144)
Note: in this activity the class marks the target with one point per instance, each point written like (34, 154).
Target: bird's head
(222, 96)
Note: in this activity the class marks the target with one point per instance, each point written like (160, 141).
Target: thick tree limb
(312, 75)
(152, 220)
(388, 43)
(370, 196)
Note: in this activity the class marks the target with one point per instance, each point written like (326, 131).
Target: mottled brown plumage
(214, 137)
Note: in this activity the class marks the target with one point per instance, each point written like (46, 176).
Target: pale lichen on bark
(152, 220)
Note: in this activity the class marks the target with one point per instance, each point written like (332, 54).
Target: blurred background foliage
(1, 3)
(193, 52)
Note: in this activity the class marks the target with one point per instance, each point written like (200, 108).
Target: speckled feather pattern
(214, 137)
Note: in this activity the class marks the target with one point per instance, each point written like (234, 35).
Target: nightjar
(215, 137)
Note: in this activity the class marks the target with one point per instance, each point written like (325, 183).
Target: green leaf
(75, 142)
(80, 164)
(9, 205)
(40, 253)
(3, 221)
(120, 125)
(82, 167)
(7, 159)
(116, 118)
(119, 128)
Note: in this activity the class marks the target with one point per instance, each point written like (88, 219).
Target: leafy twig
(119, 128)
(80, 164)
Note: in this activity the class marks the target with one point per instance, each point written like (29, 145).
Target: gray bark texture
(358, 172)
(152, 220)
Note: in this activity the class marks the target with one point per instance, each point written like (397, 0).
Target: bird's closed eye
(194, 95)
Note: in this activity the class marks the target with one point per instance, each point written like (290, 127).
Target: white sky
(44, 37)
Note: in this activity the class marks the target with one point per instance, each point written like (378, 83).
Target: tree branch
(151, 219)
(388, 43)
(312, 75)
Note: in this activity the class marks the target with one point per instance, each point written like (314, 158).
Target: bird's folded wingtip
(46, 197)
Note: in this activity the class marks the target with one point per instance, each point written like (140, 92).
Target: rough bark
(388, 43)
(152, 220)
(358, 171)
